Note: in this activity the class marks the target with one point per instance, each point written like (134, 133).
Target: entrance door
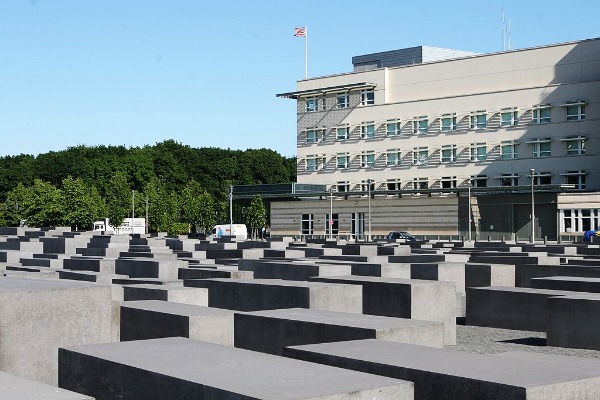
(358, 225)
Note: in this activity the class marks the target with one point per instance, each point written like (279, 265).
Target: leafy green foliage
(256, 215)
(183, 184)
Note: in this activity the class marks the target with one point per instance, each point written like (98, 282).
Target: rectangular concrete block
(478, 275)
(407, 298)
(291, 270)
(152, 319)
(270, 331)
(570, 283)
(509, 307)
(15, 387)
(268, 294)
(446, 374)
(176, 294)
(180, 368)
(39, 315)
(214, 272)
(573, 321)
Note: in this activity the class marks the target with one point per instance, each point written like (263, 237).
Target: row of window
(477, 152)
(342, 100)
(579, 219)
(446, 123)
(574, 178)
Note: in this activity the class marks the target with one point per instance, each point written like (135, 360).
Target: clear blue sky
(205, 73)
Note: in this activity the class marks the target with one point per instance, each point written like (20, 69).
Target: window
(420, 183)
(508, 150)
(478, 152)
(368, 185)
(479, 120)
(393, 128)
(392, 158)
(342, 161)
(508, 118)
(542, 114)
(343, 186)
(314, 135)
(448, 123)
(367, 160)
(393, 184)
(576, 178)
(575, 146)
(580, 220)
(509, 180)
(448, 182)
(311, 164)
(307, 224)
(478, 181)
(342, 132)
(420, 155)
(542, 178)
(315, 104)
(448, 153)
(367, 98)
(575, 111)
(367, 130)
(541, 148)
(343, 100)
(420, 125)
(332, 223)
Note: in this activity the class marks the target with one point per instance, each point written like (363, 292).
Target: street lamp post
(369, 193)
(469, 210)
(132, 208)
(230, 210)
(146, 223)
(532, 207)
(330, 222)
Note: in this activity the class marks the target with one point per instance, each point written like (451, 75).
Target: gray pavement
(476, 339)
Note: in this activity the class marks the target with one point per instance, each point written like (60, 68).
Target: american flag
(300, 32)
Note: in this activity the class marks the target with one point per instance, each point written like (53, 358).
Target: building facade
(416, 134)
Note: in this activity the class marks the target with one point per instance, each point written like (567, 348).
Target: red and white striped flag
(300, 32)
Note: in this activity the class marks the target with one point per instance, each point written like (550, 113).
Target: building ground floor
(494, 216)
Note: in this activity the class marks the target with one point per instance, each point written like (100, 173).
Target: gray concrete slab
(176, 294)
(446, 374)
(406, 298)
(151, 319)
(268, 294)
(214, 272)
(13, 387)
(291, 270)
(179, 368)
(570, 283)
(574, 321)
(39, 315)
(477, 275)
(270, 331)
(509, 307)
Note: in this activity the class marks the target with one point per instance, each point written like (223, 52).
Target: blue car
(401, 235)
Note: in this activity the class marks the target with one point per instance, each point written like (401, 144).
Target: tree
(43, 204)
(207, 213)
(14, 206)
(118, 199)
(82, 204)
(256, 215)
(190, 203)
(163, 208)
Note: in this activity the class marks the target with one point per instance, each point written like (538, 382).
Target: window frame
(338, 129)
(397, 127)
(365, 99)
(397, 156)
(342, 101)
(512, 120)
(367, 159)
(345, 164)
(475, 122)
(539, 148)
(318, 104)
(417, 125)
(514, 150)
(578, 115)
(420, 183)
(474, 150)
(417, 155)
(452, 126)
(364, 130)
(475, 181)
(538, 118)
(453, 154)
(580, 148)
(307, 224)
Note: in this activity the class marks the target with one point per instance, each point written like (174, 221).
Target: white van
(239, 230)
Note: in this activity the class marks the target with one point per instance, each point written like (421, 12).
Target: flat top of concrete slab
(150, 286)
(16, 388)
(568, 279)
(376, 279)
(168, 307)
(550, 292)
(10, 284)
(527, 371)
(340, 318)
(271, 282)
(240, 371)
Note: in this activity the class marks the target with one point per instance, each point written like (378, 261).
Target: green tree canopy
(256, 215)
(118, 199)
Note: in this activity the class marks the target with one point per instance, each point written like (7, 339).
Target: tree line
(183, 186)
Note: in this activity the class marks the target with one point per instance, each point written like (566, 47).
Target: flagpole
(306, 52)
